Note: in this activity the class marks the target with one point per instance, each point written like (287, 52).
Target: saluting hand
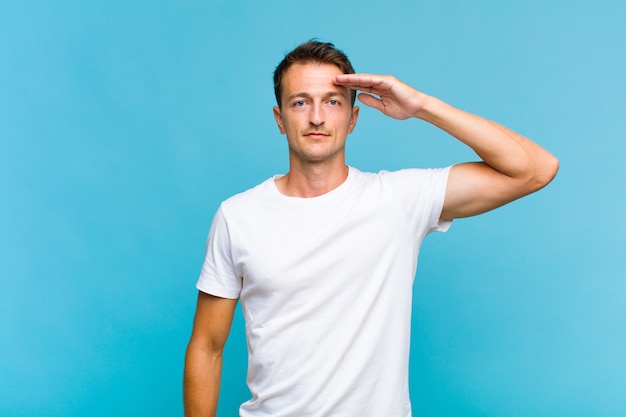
(395, 98)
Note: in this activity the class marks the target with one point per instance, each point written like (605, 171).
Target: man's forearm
(201, 383)
(502, 149)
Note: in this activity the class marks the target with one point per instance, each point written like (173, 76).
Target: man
(323, 258)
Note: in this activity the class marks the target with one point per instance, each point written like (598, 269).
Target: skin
(316, 116)
(512, 166)
(203, 362)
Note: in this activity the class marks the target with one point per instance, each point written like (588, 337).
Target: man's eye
(299, 103)
(333, 102)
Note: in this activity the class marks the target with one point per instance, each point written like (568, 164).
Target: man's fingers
(363, 82)
(370, 101)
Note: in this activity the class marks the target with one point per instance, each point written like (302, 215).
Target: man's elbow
(544, 173)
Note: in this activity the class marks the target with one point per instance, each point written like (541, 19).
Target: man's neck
(312, 180)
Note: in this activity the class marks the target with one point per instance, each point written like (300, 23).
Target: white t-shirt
(325, 285)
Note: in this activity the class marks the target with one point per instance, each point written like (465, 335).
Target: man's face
(315, 114)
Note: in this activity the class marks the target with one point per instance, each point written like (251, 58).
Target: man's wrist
(425, 106)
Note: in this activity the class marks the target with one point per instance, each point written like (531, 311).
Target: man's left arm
(512, 166)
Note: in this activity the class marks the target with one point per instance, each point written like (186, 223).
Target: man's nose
(316, 116)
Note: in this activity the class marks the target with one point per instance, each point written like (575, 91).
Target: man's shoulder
(408, 174)
(251, 195)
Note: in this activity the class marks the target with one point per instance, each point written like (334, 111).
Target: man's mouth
(316, 135)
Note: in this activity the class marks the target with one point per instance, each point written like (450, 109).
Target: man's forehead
(312, 75)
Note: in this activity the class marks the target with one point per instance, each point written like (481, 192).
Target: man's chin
(317, 156)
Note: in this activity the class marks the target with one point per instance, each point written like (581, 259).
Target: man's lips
(316, 135)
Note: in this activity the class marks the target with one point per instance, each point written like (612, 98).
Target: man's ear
(353, 118)
(279, 119)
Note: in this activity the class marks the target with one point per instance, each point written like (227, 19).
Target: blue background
(124, 124)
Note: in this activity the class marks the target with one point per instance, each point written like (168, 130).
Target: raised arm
(203, 363)
(512, 166)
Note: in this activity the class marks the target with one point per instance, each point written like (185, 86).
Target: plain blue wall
(124, 124)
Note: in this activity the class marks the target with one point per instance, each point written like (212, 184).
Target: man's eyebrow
(325, 95)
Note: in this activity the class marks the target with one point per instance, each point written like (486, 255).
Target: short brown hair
(312, 52)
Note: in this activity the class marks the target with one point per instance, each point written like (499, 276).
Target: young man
(323, 258)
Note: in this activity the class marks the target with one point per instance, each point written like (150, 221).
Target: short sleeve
(421, 193)
(218, 275)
